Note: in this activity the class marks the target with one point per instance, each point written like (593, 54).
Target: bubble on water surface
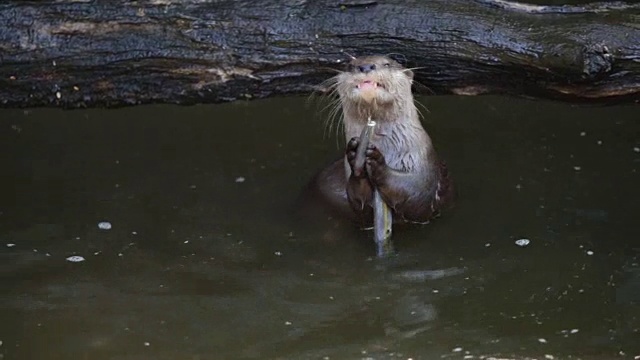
(104, 225)
(75, 258)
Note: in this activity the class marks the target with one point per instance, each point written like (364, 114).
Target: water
(205, 259)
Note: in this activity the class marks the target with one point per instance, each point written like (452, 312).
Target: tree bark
(75, 53)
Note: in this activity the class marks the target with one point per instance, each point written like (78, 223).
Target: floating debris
(458, 349)
(277, 253)
(240, 179)
(577, 168)
(522, 242)
(589, 252)
(104, 225)
(542, 341)
(574, 331)
(424, 275)
(636, 149)
(146, 343)
(11, 245)
(75, 258)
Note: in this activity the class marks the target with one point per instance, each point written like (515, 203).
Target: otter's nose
(367, 68)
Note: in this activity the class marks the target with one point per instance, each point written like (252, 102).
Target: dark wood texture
(111, 53)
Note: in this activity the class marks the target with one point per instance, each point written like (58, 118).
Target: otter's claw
(352, 150)
(352, 145)
(376, 164)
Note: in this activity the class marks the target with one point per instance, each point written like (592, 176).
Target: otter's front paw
(352, 149)
(376, 165)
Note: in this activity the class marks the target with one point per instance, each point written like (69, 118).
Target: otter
(401, 161)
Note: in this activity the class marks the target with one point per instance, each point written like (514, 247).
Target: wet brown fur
(401, 161)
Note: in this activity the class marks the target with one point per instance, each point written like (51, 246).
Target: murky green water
(200, 264)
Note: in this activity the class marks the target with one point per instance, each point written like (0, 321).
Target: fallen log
(74, 53)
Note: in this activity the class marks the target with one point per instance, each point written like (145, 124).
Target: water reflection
(205, 260)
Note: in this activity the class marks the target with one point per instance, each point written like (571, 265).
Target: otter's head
(374, 81)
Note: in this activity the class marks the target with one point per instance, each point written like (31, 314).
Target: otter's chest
(403, 147)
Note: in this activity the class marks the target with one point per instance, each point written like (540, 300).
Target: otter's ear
(409, 73)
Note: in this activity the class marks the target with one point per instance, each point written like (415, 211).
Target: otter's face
(375, 80)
